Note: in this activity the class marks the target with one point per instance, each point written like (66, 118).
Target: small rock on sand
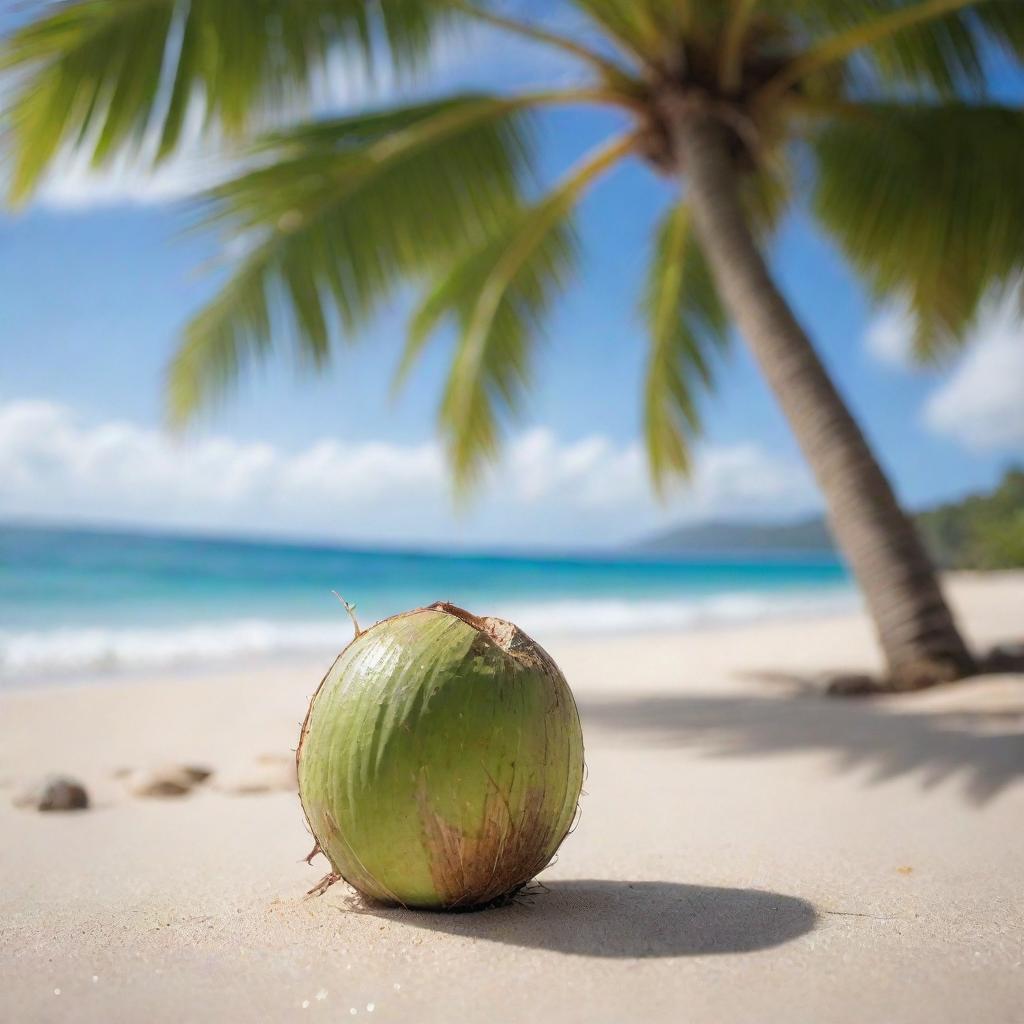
(54, 793)
(167, 780)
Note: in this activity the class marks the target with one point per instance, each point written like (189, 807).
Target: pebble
(54, 793)
(167, 780)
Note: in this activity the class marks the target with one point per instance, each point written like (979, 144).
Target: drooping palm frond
(686, 321)
(931, 44)
(496, 295)
(1003, 21)
(918, 41)
(927, 204)
(499, 314)
(342, 212)
(104, 73)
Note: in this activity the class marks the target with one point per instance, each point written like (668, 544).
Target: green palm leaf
(497, 295)
(643, 27)
(930, 44)
(340, 214)
(940, 50)
(100, 74)
(686, 321)
(927, 203)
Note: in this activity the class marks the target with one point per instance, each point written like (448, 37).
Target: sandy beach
(748, 851)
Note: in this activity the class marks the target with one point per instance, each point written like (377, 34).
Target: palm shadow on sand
(606, 918)
(982, 751)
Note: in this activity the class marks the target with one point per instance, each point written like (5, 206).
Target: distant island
(805, 536)
(981, 531)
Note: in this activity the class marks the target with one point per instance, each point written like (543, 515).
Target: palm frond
(930, 44)
(497, 295)
(737, 21)
(1003, 22)
(686, 321)
(644, 28)
(340, 214)
(609, 69)
(101, 74)
(927, 204)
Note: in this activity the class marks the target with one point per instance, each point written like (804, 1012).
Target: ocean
(81, 604)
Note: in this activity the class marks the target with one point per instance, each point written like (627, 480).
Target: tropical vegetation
(981, 531)
(984, 530)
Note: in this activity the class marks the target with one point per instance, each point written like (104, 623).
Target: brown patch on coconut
(472, 869)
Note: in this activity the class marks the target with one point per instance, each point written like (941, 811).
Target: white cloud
(56, 466)
(591, 472)
(981, 405)
(742, 479)
(890, 335)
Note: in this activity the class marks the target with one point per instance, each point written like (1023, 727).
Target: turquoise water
(102, 602)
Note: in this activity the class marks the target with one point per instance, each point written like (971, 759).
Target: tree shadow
(973, 748)
(605, 918)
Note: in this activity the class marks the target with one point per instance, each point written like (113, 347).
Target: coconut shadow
(606, 918)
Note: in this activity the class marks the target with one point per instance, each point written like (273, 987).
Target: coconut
(441, 760)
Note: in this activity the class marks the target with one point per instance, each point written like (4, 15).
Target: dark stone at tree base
(852, 684)
(1004, 658)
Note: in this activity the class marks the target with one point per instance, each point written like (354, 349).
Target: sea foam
(53, 654)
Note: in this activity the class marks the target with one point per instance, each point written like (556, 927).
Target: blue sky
(98, 277)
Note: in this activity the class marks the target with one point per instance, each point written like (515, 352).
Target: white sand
(746, 853)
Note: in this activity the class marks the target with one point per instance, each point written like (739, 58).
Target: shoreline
(625, 618)
(840, 602)
(142, 604)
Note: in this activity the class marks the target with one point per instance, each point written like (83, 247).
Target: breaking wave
(54, 654)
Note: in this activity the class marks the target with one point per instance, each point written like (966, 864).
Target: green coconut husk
(441, 760)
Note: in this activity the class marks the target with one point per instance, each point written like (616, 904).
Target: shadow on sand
(982, 750)
(603, 918)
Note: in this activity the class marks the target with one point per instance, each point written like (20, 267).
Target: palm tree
(877, 112)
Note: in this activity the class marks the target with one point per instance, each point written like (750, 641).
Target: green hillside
(735, 537)
(982, 531)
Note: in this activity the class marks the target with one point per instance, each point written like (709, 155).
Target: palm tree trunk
(915, 627)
